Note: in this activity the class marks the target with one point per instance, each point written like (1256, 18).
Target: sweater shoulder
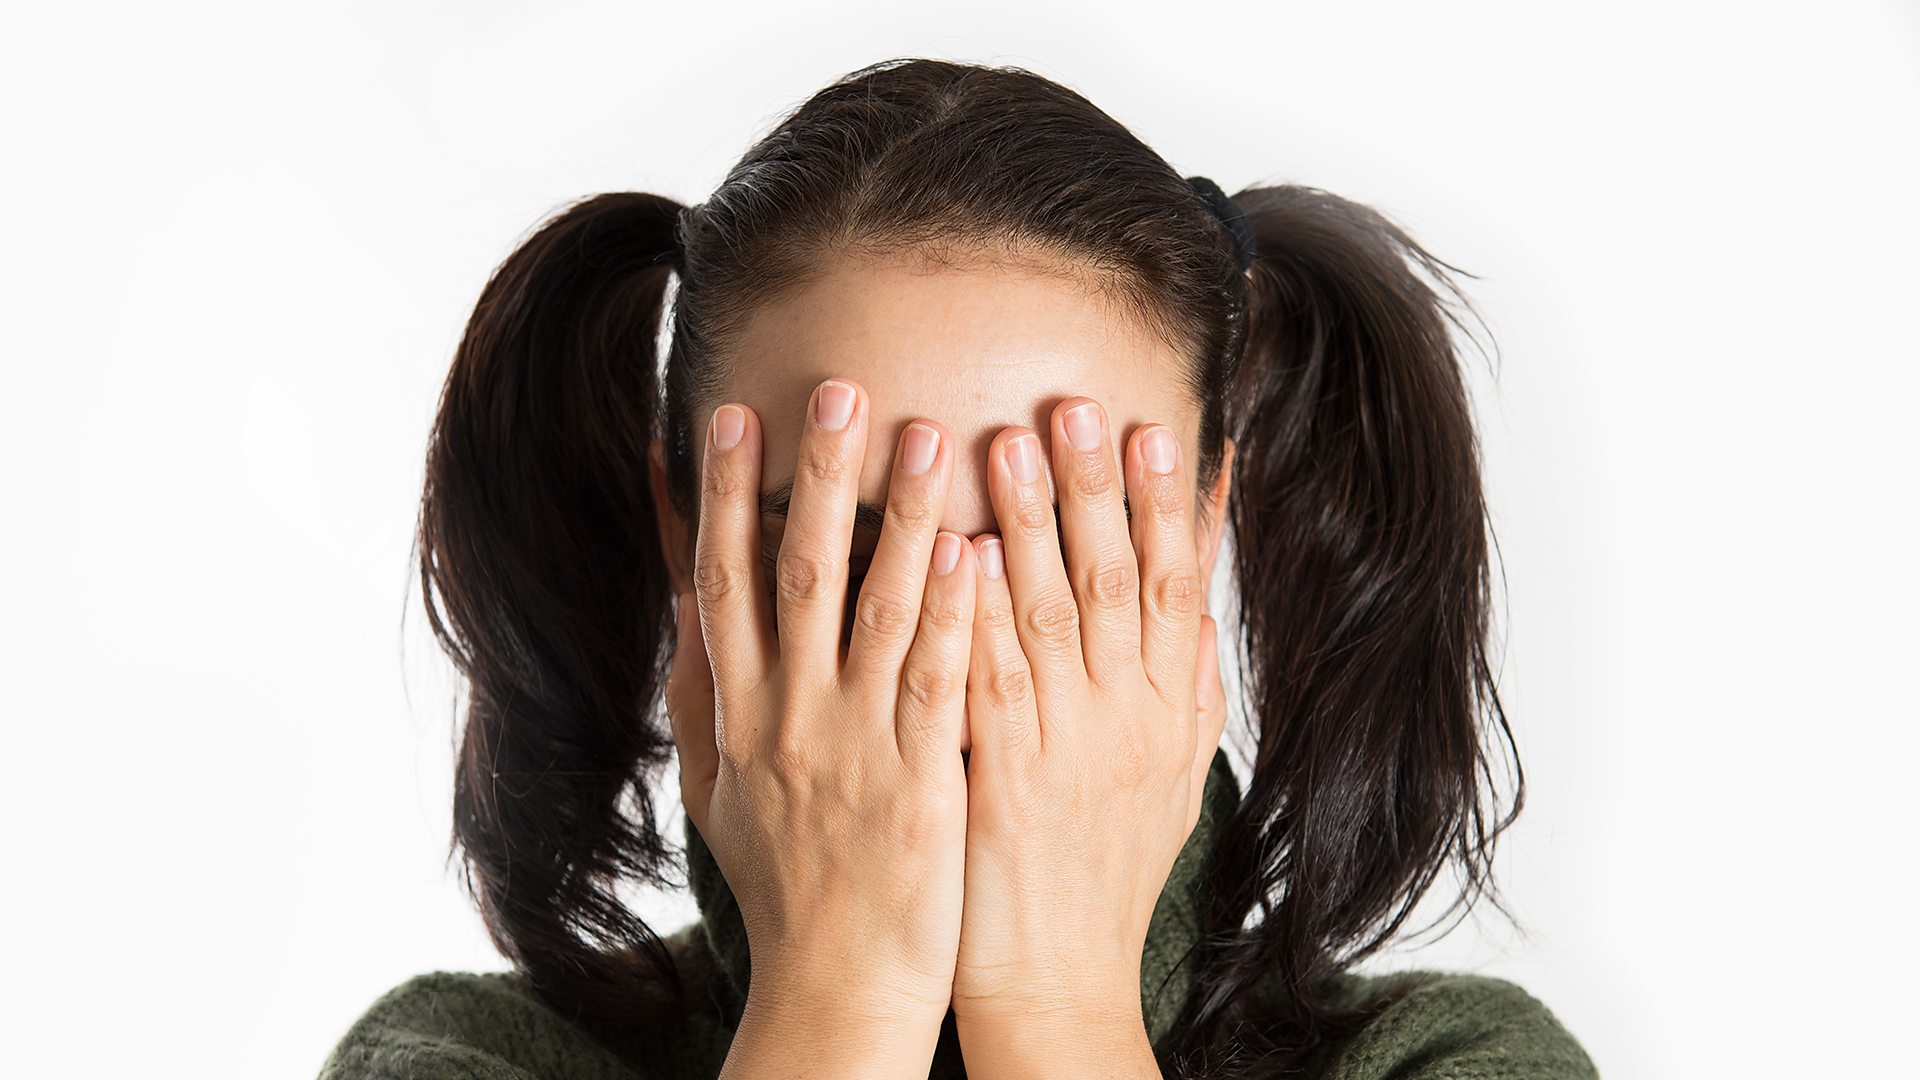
(442, 1025)
(1456, 1026)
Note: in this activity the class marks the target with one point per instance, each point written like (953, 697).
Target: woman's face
(977, 346)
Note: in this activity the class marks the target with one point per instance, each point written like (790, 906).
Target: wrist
(1068, 1040)
(986, 1018)
(827, 1033)
(870, 1001)
(1109, 999)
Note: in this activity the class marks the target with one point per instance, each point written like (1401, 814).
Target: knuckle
(1176, 594)
(927, 688)
(1167, 498)
(996, 614)
(1091, 482)
(1055, 621)
(801, 577)
(792, 756)
(1010, 687)
(1130, 756)
(912, 509)
(942, 613)
(1033, 517)
(824, 464)
(1111, 586)
(718, 578)
(718, 481)
(883, 615)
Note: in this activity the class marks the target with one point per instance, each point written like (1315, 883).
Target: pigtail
(1360, 548)
(537, 537)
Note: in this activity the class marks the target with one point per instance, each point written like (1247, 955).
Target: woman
(911, 533)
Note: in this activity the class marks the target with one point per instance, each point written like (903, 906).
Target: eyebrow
(868, 515)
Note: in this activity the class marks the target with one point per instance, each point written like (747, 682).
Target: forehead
(977, 345)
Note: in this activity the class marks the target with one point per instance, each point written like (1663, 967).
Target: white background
(240, 242)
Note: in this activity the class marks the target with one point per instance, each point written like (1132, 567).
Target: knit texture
(491, 1026)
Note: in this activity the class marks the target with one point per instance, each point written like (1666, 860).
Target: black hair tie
(1230, 215)
(679, 253)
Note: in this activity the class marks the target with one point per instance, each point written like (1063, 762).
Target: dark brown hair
(1363, 589)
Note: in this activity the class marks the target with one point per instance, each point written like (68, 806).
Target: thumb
(1209, 713)
(689, 697)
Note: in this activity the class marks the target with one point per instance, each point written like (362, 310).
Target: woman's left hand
(1095, 706)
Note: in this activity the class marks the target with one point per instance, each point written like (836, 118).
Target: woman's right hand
(830, 786)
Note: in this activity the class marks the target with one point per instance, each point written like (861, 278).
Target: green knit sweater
(491, 1026)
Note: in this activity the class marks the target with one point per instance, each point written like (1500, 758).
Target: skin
(968, 787)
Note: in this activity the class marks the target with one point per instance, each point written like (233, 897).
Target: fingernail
(946, 553)
(729, 423)
(1160, 450)
(993, 559)
(1023, 458)
(918, 447)
(833, 405)
(1083, 427)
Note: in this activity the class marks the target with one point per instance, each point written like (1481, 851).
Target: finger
(1100, 559)
(1171, 599)
(932, 706)
(1046, 617)
(734, 621)
(1210, 712)
(887, 610)
(690, 713)
(811, 573)
(1003, 717)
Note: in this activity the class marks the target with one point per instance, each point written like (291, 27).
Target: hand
(1096, 706)
(829, 786)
